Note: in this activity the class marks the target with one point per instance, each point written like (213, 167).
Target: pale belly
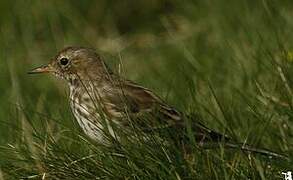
(95, 127)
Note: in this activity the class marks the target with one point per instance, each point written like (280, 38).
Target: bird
(102, 100)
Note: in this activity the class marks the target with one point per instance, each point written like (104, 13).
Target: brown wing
(134, 100)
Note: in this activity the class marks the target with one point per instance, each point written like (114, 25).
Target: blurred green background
(229, 61)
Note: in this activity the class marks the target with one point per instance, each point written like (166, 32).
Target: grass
(228, 61)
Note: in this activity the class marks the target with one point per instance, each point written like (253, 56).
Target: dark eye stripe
(64, 61)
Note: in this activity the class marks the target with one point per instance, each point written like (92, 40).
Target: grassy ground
(228, 61)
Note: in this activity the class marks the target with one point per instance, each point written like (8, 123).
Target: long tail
(244, 147)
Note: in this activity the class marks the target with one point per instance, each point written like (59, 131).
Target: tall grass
(230, 62)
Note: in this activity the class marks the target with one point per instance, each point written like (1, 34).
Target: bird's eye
(64, 61)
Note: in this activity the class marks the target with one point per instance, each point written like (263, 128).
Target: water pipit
(101, 99)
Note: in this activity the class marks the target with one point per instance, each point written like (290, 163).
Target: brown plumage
(100, 98)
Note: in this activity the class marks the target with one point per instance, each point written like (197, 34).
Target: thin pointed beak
(41, 69)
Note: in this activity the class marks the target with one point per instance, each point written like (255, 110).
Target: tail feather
(246, 148)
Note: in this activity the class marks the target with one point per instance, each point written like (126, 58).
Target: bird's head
(74, 62)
